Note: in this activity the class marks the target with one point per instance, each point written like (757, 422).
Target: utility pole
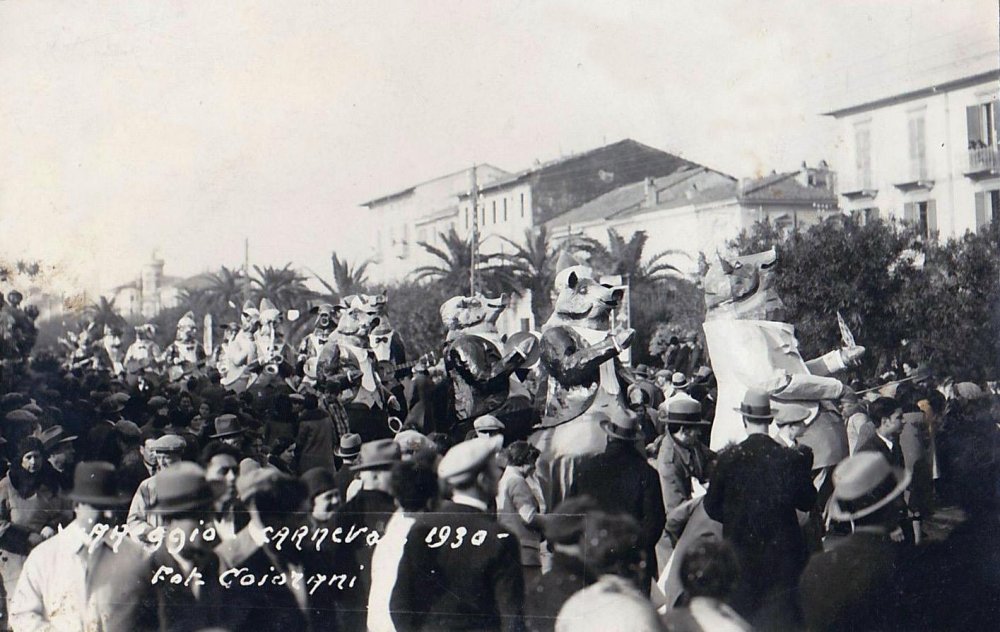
(246, 268)
(474, 241)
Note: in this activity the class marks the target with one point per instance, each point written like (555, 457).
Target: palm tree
(223, 295)
(533, 266)
(625, 257)
(455, 262)
(103, 313)
(284, 287)
(349, 279)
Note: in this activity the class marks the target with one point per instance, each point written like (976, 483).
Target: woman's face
(204, 411)
(289, 454)
(32, 461)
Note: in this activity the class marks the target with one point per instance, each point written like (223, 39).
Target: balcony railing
(984, 159)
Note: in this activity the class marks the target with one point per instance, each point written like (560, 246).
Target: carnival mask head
(249, 317)
(327, 316)
(461, 313)
(145, 333)
(743, 288)
(112, 337)
(356, 320)
(186, 328)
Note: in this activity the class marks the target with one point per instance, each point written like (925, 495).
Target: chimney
(650, 192)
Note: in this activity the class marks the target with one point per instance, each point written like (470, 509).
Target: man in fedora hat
(367, 512)
(633, 489)
(102, 444)
(168, 450)
(682, 457)
(229, 430)
(347, 452)
(757, 486)
(185, 501)
(460, 569)
(855, 585)
(84, 578)
(61, 454)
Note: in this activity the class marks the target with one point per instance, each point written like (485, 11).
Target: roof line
(410, 189)
(915, 94)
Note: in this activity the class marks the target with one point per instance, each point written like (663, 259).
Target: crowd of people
(190, 504)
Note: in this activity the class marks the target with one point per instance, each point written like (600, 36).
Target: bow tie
(381, 339)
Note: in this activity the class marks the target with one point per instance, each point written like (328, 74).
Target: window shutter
(909, 212)
(931, 217)
(973, 124)
(921, 148)
(980, 210)
(996, 123)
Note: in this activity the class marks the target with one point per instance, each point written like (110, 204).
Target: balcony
(984, 162)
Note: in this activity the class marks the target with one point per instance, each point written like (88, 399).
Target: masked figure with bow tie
(143, 355)
(327, 316)
(347, 369)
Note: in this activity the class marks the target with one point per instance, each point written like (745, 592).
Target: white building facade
(923, 147)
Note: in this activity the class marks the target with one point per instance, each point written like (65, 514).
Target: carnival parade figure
(347, 369)
(239, 353)
(109, 355)
(310, 347)
(585, 383)
(185, 356)
(480, 370)
(272, 352)
(143, 354)
(751, 347)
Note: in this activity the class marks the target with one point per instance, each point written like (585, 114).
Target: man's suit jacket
(471, 581)
(264, 608)
(178, 608)
(874, 443)
(854, 586)
(545, 598)
(622, 481)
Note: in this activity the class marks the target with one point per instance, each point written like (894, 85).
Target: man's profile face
(223, 468)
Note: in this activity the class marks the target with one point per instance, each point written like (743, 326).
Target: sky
(184, 127)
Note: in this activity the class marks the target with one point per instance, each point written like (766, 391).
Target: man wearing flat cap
(460, 569)
(756, 489)
(367, 512)
(141, 520)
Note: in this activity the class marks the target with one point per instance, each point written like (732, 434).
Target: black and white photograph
(519, 316)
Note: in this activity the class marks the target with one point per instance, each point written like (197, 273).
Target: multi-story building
(420, 213)
(508, 206)
(919, 138)
(699, 210)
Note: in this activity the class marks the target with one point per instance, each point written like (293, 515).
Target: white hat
(468, 457)
(486, 423)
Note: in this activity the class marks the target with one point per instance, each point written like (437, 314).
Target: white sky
(185, 126)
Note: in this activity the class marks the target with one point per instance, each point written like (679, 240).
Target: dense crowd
(149, 501)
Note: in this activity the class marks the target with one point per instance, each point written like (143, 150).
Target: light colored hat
(350, 446)
(679, 380)
(227, 426)
(256, 480)
(787, 414)
(468, 457)
(412, 440)
(488, 423)
(378, 455)
(968, 390)
(863, 484)
(54, 435)
(187, 320)
(685, 411)
(756, 405)
(168, 444)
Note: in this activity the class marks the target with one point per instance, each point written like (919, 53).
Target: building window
(404, 243)
(522, 205)
(494, 205)
(466, 218)
(918, 147)
(505, 210)
(482, 216)
(987, 208)
(863, 156)
(421, 235)
(982, 122)
(922, 215)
